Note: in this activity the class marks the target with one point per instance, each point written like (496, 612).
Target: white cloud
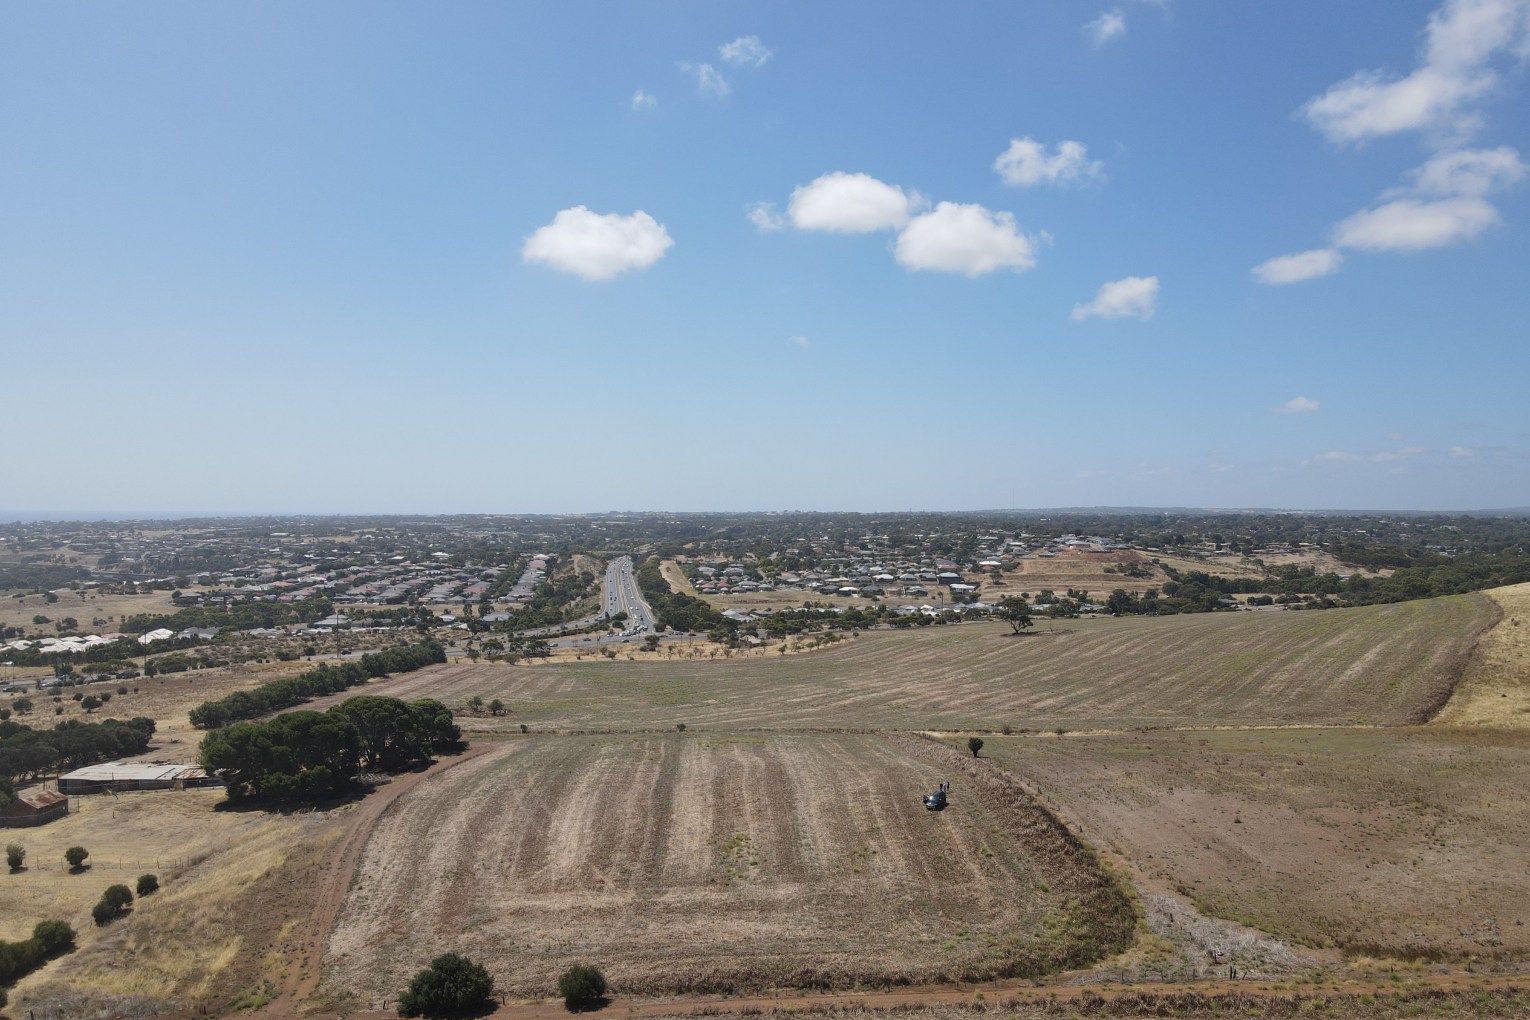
(1461, 39)
(1303, 265)
(1296, 405)
(1389, 456)
(1462, 451)
(1106, 27)
(598, 247)
(643, 101)
(850, 204)
(1134, 297)
(1396, 437)
(1442, 203)
(954, 238)
(1380, 457)
(1365, 105)
(709, 81)
(1470, 172)
(800, 341)
(1410, 225)
(764, 216)
(745, 51)
(1026, 163)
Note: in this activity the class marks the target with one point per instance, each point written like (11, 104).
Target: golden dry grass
(194, 936)
(1496, 689)
(676, 578)
(1387, 842)
(127, 836)
(110, 609)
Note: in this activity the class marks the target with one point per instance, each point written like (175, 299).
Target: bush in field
(974, 744)
(15, 856)
(148, 884)
(76, 855)
(451, 984)
(581, 986)
(113, 902)
(53, 937)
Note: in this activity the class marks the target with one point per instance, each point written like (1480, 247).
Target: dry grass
(1496, 688)
(178, 937)
(1375, 665)
(110, 609)
(676, 577)
(206, 935)
(1269, 1003)
(719, 863)
(1403, 842)
(166, 699)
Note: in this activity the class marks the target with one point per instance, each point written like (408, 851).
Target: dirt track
(307, 945)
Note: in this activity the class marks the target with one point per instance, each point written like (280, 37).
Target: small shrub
(15, 856)
(974, 744)
(148, 884)
(76, 855)
(581, 986)
(113, 902)
(451, 984)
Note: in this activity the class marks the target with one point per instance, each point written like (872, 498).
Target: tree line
(308, 756)
(325, 679)
(27, 754)
(551, 601)
(677, 610)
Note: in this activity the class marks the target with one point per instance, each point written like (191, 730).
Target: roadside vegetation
(325, 679)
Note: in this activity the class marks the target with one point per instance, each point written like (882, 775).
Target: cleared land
(1381, 665)
(109, 610)
(1406, 843)
(708, 863)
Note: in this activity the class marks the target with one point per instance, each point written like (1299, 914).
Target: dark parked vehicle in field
(936, 801)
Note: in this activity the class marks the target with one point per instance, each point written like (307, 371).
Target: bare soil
(717, 863)
(1401, 842)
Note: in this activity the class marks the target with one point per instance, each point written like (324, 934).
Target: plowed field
(1380, 665)
(686, 863)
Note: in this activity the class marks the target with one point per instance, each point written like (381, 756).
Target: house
(30, 809)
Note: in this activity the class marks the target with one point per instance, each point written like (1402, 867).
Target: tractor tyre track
(307, 946)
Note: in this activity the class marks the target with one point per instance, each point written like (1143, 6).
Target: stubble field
(1401, 842)
(1378, 665)
(684, 862)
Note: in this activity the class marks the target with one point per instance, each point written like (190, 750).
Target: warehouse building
(118, 776)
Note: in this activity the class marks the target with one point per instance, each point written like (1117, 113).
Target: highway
(622, 596)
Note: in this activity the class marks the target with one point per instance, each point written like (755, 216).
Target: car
(935, 801)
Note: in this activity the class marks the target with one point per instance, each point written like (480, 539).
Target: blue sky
(540, 257)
